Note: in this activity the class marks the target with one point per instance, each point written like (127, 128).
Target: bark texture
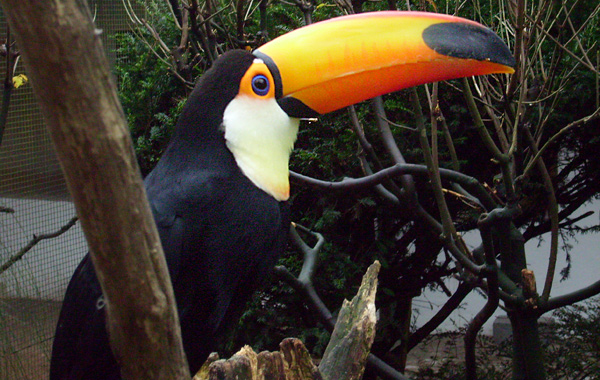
(346, 354)
(344, 359)
(70, 75)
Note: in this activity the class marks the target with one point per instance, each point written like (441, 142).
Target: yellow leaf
(19, 80)
(324, 5)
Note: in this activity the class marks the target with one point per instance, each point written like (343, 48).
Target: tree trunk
(292, 362)
(528, 360)
(72, 81)
(405, 306)
(344, 359)
(528, 357)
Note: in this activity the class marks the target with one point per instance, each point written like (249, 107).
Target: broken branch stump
(344, 359)
(346, 354)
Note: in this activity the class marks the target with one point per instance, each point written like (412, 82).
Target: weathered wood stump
(344, 358)
(346, 354)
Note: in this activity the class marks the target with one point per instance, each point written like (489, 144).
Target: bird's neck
(261, 138)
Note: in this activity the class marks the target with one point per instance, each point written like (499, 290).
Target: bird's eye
(260, 85)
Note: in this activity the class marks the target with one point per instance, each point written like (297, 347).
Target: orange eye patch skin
(257, 68)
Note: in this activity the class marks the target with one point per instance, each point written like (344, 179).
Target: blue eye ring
(260, 85)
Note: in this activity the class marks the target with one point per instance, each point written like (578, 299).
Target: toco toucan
(219, 192)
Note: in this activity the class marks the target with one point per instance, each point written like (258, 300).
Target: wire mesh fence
(34, 206)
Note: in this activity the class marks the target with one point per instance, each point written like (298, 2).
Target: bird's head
(332, 64)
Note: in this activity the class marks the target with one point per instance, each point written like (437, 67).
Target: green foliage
(570, 338)
(448, 362)
(282, 18)
(152, 97)
(274, 314)
(579, 327)
(361, 226)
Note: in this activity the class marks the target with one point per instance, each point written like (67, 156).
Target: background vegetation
(525, 144)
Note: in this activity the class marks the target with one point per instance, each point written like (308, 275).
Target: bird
(219, 192)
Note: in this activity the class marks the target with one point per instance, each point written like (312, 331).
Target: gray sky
(585, 260)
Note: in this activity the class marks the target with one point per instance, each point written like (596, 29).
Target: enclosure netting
(34, 203)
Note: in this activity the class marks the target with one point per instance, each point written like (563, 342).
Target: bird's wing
(81, 349)
(215, 257)
(220, 240)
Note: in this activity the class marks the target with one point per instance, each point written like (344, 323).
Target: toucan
(219, 192)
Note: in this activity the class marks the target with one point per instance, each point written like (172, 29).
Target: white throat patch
(261, 136)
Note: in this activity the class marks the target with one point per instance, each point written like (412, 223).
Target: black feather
(220, 233)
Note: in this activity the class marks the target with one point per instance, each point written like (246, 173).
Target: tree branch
(453, 302)
(348, 184)
(433, 170)
(485, 223)
(570, 298)
(303, 285)
(33, 242)
(577, 123)
(409, 195)
(10, 65)
(78, 99)
(553, 212)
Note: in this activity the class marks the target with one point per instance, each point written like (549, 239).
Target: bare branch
(483, 133)
(392, 148)
(443, 313)
(553, 212)
(519, 49)
(310, 253)
(33, 242)
(570, 298)
(240, 19)
(303, 285)
(470, 183)
(79, 102)
(577, 123)
(565, 49)
(449, 231)
(388, 190)
(486, 223)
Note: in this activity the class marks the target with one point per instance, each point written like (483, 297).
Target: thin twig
(502, 159)
(33, 242)
(577, 123)
(483, 133)
(433, 168)
(553, 213)
(388, 190)
(568, 51)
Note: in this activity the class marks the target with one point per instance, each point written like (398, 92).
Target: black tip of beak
(468, 41)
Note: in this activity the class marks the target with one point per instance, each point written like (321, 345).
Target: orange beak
(332, 64)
